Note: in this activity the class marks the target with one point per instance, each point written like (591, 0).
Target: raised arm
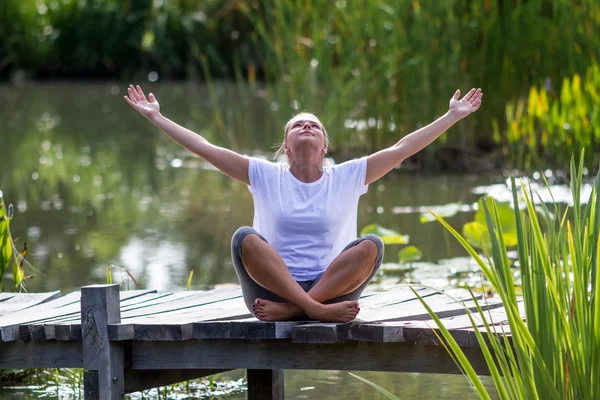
(382, 162)
(231, 163)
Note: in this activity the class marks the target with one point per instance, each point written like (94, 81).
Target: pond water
(94, 184)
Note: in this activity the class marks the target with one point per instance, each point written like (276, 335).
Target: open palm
(468, 104)
(137, 99)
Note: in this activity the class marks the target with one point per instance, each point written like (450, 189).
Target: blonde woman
(302, 257)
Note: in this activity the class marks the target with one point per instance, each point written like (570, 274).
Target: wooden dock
(134, 340)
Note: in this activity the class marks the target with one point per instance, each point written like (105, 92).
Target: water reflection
(95, 185)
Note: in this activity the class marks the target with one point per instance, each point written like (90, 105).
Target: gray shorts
(252, 290)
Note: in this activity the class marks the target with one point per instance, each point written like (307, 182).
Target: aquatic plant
(406, 256)
(9, 255)
(547, 126)
(555, 354)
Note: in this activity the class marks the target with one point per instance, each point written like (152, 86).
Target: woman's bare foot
(267, 310)
(344, 311)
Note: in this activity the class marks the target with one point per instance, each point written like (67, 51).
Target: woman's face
(305, 131)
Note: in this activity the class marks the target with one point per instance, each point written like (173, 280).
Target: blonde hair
(303, 115)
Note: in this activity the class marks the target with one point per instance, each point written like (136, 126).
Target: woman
(302, 256)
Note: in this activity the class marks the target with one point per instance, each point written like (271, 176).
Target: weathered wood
(119, 332)
(322, 332)
(67, 307)
(379, 332)
(416, 311)
(265, 384)
(22, 301)
(266, 354)
(138, 380)
(46, 354)
(103, 360)
(197, 300)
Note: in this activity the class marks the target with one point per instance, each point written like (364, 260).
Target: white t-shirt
(309, 224)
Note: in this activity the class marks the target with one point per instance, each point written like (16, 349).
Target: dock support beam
(265, 384)
(103, 360)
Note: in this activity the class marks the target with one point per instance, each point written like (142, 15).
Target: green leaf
(108, 276)
(507, 220)
(409, 254)
(189, 281)
(477, 235)
(388, 236)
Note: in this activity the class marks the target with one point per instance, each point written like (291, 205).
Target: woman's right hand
(137, 100)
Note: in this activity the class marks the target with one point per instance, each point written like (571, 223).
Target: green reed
(549, 125)
(373, 70)
(385, 69)
(555, 352)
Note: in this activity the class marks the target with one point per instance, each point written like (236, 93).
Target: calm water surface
(94, 184)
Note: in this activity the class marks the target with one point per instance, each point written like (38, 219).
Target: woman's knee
(240, 234)
(373, 248)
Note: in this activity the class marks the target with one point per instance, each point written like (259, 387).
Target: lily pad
(409, 254)
(507, 220)
(388, 236)
(477, 235)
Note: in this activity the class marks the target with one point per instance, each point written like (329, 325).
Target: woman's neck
(306, 169)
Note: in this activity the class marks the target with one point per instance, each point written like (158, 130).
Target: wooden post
(103, 361)
(265, 384)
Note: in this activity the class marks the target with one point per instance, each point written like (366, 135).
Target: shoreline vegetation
(380, 70)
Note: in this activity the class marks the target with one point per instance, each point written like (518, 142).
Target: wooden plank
(416, 311)
(139, 380)
(103, 361)
(47, 354)
(6, 295)
(492, 316)
(197, 300)
(130, 298)
(283, 354)
(322, 332)
(265, 384)
(67, 307)
(161, 298)
(22, 301)
(331, 332)
(396, 296)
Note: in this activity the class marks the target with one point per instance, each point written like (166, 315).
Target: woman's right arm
(231, 163)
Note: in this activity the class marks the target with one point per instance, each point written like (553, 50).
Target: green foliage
(380, 70)
(189, 281)
(388, 236)
(552, 124)
(477, 234)
(409, 254)
(6, 244)
(555, 354)
(406, 255)
(383, 69)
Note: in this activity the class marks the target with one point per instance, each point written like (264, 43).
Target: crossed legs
(345, 274)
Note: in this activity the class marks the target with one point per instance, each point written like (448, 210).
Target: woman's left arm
(382, 162)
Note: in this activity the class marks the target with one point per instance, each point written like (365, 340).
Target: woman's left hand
(468, 104)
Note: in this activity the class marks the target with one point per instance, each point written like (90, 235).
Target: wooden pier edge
(105, 374)
(103, 360)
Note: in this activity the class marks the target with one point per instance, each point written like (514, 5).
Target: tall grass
(384, 69)
(373, 70)
(555, 352)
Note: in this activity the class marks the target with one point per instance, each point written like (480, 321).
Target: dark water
(94, 184)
